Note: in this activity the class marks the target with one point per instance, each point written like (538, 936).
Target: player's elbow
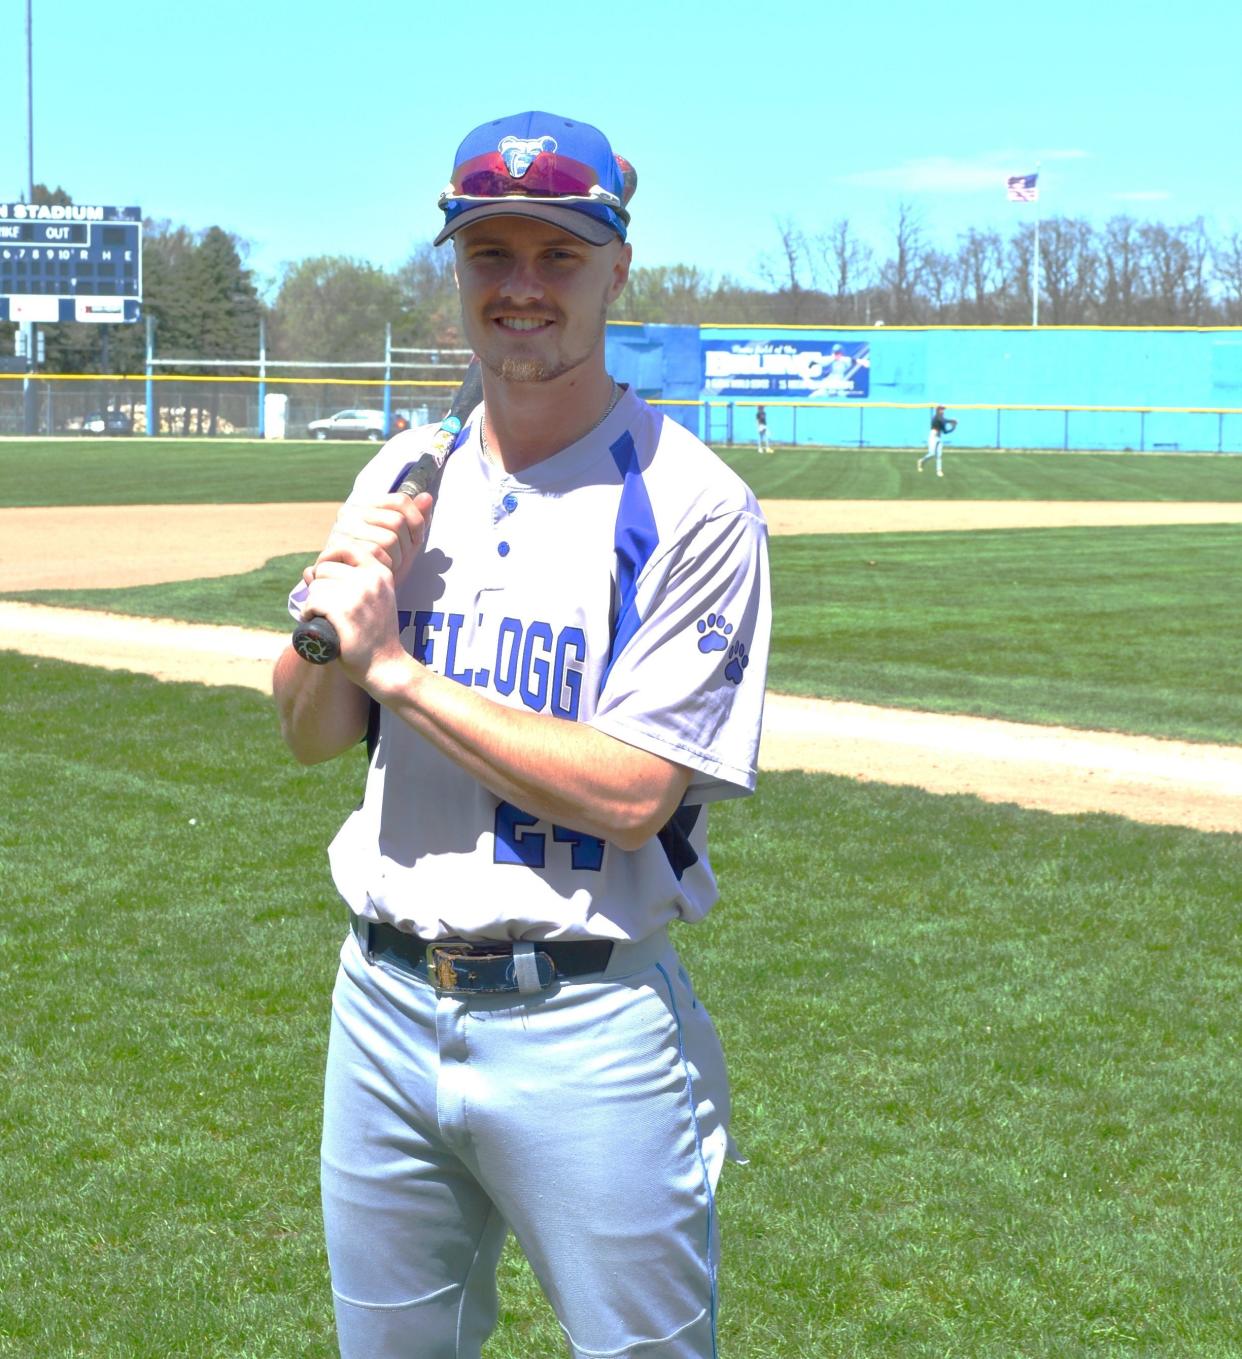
(305, 752)
(321, 714)
(645, 813)
(632, 835)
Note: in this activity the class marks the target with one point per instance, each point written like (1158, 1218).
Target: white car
(349, 425)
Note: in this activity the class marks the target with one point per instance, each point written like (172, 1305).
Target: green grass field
(985, 1061)
(223, 471)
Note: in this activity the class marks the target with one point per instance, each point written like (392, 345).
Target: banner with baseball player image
(808, 369)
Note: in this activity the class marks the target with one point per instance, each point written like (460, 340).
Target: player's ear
(620, 271)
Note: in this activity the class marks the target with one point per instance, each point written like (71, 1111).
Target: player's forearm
(561, 771)
(322, 712)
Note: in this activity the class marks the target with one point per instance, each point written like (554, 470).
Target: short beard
(525, 370)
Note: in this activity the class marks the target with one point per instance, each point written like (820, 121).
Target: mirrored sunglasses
(551, 177)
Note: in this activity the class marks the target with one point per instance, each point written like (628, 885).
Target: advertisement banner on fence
(805, 369)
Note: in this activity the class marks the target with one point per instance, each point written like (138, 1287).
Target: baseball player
(558, 664)
(761, 429)
(939, 428)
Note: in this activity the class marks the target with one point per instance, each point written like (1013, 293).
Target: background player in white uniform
(940, 426)
(558, 669)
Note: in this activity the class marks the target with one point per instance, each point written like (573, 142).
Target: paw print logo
(738, 661)
(714, 633)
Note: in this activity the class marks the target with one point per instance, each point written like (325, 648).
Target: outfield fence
(895, 424)
(231, 406)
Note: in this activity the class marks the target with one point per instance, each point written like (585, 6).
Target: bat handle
(315, 640)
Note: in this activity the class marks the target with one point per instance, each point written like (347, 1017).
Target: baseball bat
(315, 638)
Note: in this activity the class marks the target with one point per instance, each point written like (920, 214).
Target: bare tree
(1121, 295)
(941, 285)
(843, 269)
(901, 276)
(788, 272)
(1227, 271)
(1175, 261)
(1068, 267)
(982, 284)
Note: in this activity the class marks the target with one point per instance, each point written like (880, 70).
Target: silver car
(351, 424)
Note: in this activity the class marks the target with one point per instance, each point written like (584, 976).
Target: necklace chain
(613, 397)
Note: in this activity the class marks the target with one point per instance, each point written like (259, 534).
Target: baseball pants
(933, 449)
(589, 1119)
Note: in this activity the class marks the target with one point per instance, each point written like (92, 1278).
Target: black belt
(479, 967)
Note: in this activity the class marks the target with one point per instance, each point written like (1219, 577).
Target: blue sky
(329, 128)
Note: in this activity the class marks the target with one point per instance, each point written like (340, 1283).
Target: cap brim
(580, 224)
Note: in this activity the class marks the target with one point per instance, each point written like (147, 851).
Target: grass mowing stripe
(1129, 629)
(173, 471)
(978, 474)
(984, 1061)
(1123, 629)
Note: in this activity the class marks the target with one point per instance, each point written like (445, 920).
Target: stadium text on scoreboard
(69, 262)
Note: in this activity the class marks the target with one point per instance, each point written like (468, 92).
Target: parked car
(108, 422)
(349, 425)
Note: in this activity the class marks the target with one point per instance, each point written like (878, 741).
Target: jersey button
(510, 502)
(503, 549)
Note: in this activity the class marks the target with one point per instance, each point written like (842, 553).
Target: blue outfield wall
(876, 386)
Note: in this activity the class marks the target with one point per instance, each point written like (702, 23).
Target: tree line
(333, 308)
(1127, 273)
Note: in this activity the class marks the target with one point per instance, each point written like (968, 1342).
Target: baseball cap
(543, 166)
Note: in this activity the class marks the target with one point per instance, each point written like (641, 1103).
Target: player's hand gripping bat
(315, 639)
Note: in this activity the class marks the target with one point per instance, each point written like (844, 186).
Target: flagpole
(1035, 260)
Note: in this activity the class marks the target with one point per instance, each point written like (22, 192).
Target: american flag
(1022, 188)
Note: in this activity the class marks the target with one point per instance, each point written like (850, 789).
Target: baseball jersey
(621, 582)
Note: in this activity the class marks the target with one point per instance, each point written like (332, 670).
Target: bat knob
(315, 640)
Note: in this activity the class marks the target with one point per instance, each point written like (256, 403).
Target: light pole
(28, 330)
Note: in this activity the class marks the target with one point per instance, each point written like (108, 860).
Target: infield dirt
(1052, 768)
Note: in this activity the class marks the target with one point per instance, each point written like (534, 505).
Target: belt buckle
(442, 960)
(496, 969)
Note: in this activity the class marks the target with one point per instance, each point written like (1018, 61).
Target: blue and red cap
(543, 166)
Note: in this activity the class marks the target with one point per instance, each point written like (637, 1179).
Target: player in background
(558, 665)
(761, 429)
(940, 426)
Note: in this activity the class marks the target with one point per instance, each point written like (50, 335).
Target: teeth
(522, 322)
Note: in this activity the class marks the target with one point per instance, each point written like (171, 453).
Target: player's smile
(523, 324)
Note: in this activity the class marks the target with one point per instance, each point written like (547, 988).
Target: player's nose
(522, 282)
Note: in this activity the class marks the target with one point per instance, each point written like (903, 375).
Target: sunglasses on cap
(550, 178)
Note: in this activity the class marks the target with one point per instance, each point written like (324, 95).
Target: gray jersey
(622, 582)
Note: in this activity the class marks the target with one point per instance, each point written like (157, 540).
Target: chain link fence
(203, 407)
(230, 407)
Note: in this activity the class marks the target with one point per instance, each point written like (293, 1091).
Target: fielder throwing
(557, 669)
(935, 438)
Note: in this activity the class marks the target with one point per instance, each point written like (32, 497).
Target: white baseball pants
(590, 1120)
(933, 449)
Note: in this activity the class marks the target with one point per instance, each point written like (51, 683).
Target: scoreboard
(69, 262)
